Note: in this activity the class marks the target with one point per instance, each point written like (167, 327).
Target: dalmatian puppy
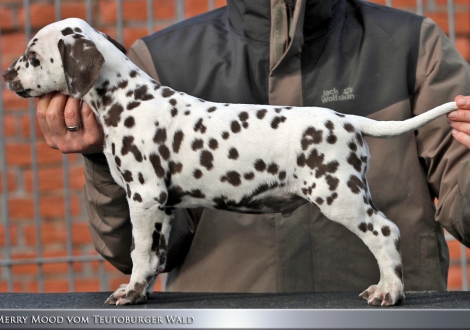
(168, 149)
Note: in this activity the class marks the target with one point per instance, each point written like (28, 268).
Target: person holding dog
(351, 56)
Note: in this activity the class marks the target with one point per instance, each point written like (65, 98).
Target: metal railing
(7, 262)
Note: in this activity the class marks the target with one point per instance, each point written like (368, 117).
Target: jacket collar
(253, 18)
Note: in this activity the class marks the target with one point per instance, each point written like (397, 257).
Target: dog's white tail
(387, 129)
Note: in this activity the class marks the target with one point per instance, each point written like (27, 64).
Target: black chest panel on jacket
(365, 61)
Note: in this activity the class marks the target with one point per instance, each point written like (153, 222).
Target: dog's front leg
(150, 231)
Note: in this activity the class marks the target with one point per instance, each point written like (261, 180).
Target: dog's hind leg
(150, 230)
(382, 237)
(357, 213)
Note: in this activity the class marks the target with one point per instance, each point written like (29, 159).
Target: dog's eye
(31, 55)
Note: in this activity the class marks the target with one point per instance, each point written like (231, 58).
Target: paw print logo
(348, 91)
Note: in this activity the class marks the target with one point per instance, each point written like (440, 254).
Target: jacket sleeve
(442, 74)
(107, 207)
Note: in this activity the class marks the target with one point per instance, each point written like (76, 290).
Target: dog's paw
(131, 297)
(112, 299)
(378, 295)
(127, 296)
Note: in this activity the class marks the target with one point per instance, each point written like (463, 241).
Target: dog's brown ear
(82, 63)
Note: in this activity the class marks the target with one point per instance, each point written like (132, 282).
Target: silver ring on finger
(74, 128)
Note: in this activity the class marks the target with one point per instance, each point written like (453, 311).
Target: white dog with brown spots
(168, 149)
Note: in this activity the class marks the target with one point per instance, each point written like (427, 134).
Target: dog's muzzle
(16, 86)
(24, 93)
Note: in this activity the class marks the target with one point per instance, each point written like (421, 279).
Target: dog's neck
(121, 86)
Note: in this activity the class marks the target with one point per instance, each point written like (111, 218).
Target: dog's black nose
(4, 73)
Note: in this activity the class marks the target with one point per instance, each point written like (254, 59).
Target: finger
(72, 116)
(55, 116)
(41, 110)
(93, 135)
(459, 126)
(90, 124)
(463, 102)
(50, 106)
(460, 115)
(462, 138)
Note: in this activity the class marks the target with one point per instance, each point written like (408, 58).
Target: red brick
(87, 285)
(50, 206)
(77, 10)
(164, 9)
(17, 286)
(461, 19)
(13, 235)
(55, 285)
(81, 233)
(455, 250)
(21, 208)
(54, 206)
(13, 44)
(6, 19)
(52, 178)
(9, 125)
(454, 281)
(13, 102)
(463, 46)
(48, 268)
(195, 7)
(456, 2)
(46, 155)
(158, 285)
(41, 14)
(136, 10)
(132, 34)
(11, 181)
(26, 268)
(220, 3)
(115, 281)
(26, 127)
(50, 233)
(61, 267)
(19, 154)
(107, 11)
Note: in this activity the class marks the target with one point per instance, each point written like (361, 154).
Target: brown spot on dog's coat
(206, 159)
(177, 140)
(160, 135)
(197, 144)
(233, 153)
(129, 146)
(232, 177)
(157, 165)
(235, 126)
(113, 116)
(261, 113)
(260, 165)
(355, 184)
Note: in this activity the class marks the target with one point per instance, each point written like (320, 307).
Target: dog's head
(63, 56)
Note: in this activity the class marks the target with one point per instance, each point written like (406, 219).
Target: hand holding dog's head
(61, 57)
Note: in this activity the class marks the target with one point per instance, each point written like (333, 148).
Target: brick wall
(50, 175)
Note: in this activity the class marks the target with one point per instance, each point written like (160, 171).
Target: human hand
(56, 112)
(459, 120)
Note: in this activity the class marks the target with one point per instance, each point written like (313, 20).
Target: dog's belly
(283, 203)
